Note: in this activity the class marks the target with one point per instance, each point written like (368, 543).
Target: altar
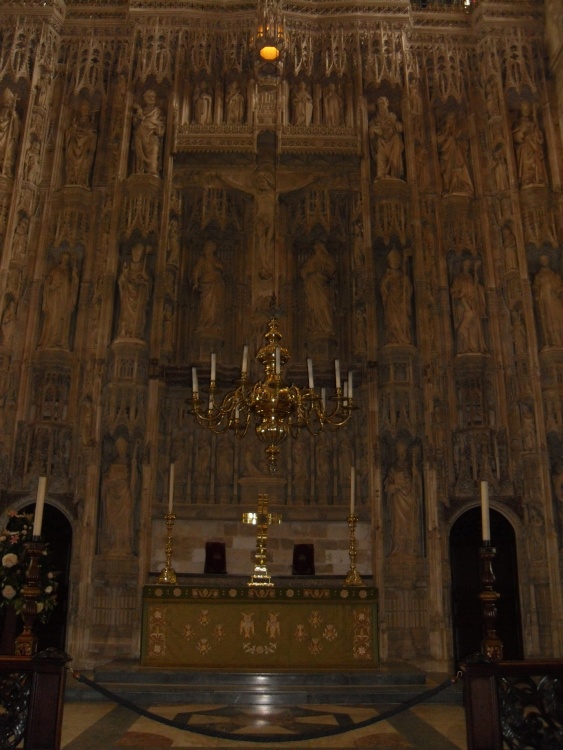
(226, 626)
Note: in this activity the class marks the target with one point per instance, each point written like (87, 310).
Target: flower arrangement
(13, 566)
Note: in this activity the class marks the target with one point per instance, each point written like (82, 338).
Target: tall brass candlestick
(168, 574)
(353, 578)
(262, 519)
(26, 642)
(491, 645)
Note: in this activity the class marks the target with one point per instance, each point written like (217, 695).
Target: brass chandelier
(276, 408)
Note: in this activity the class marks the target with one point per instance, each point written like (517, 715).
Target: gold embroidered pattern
(362, 638)
(157, 634)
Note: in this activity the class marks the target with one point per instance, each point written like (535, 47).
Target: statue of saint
(396, 293)
(318, 272)
(528, 144)
(235, 104)
(454, 151)
(332, 106)
(548, 294)
(134, 288)
(118, 491)
(302, 103)
(8, 322)
(203, 105)
(19, 240)
(9, 132)
(80, 146)
(468, 299)
(207, 279)
(173, 256)
(402, 490)
(149, 127)
(386, 141)
(60, 293)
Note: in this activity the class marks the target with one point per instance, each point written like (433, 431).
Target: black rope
(317, 734)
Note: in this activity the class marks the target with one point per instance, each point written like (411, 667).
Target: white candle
(210, 405)
(337, 373)
(195, 387)
(352, 490)
(278, 360)
(244, 359)
(237, 414)
(213, 365)
(39, 506)
(345, 394)
(171, 489)
(485, 516)
(350, 385)
(310, 373)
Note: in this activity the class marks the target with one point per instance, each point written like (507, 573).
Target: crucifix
(262, 519)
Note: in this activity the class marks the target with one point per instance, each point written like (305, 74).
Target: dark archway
(57, 532)
(467, 620)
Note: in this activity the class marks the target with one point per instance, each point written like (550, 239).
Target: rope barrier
(317, 734)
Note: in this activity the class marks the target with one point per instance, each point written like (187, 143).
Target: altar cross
(262, 519)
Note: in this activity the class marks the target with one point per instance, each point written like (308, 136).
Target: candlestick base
(167, 575)
(491, 645)
(353, 578)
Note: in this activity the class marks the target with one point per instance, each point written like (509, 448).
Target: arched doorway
(57, 532)
(467, 620)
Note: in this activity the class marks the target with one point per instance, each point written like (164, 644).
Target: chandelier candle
(195, 387)
(244, 367)
(39, 506)
(337, 374)
(310, 373)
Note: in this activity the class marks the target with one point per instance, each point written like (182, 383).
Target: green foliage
(13, 565)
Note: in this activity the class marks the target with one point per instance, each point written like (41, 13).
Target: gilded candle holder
(168, 574)
(26, 642)
(491, 645)
(353, 578)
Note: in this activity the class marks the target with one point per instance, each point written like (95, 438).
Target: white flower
(9, 560)
(8, 592)
(48, 589)
(39, 606)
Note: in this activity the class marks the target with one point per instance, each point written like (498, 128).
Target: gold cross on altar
(262, 519)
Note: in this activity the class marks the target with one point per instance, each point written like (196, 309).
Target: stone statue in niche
(9, 132)
(396, 293)
(19, 241)
(453, 148)
(8, 321)
(32, 168)
(403, 491)
(332, 106)
(302, 104)
(386, 141)
(80, 146)
(548, 294)
(528, 144)
(173, 256)
(118, 493)
(500, 168)
(60, 293)
(468, 301)
(509, 246)
(234, 104)
(207, 279)
(318, 273)
(149, 125)
(134, 291)
(203, 104)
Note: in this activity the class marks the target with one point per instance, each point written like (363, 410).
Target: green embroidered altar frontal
(259, 628)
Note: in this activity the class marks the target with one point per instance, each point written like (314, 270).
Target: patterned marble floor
(103, 726)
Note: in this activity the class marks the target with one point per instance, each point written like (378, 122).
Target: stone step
(144, 686)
